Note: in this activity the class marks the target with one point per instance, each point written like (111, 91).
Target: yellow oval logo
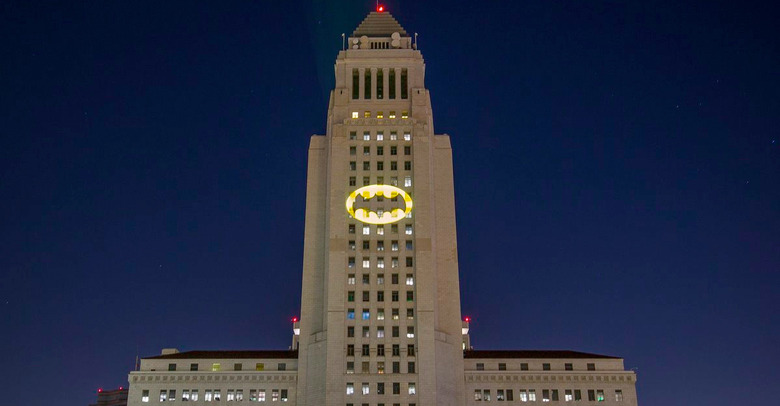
(372, 217)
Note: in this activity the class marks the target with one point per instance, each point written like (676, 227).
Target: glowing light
(372, 217)
(468, 319)
(380, 8)
(295, 319)
(100, 390)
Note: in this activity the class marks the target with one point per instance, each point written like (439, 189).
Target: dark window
(365, 350)
(396, 388)
(350, 350)
(367, 84)
(396, 367)
(410, 367)
(409, 261)
(480, 366)
(237, 367)
(396, 350)
(193, 367)
(380, 350)
(380, 94)
(393, 150)
(351, 296)
(171, 367)
(409, 296)
(501, 366)
(591, 395)
(410, 350)
(408, 165)
(355, 84)
(407, 150)
(591, 367)
(568, 367)
(352, 165)
(546, 367)
(282, 367)
(366, 166)
(350, 331)
(395, 334)
(524, 367)
(393, 166)
(404, 84)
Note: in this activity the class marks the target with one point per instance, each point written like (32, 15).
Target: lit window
(380, 230)
(274, 395)
(618, 395)
(392, 114)
(351, 279)
(477, 395)
(407, 181)
(367, 114)
(352, 229)
(163, 395)
(600, 395)
(365, 389)
(355, 114)
(366, 332)
(410, 282)
(404, 115)
(394, 246)
(217, 395)
(500, 395)
(194, 395)
(216, 367)
(284, 395)
(366, 314)
(261, 395)
(410, 316)
(532, 395)
(366, 230)
(393, 136)
(380, 263)
(394, 262)
(351, 262)
(380, 314)
(412, 389)
(410, 296)
(380, 136)
(208, 396)
(366, 263)
(410, 332)
(366, 136)
(380, 332)
(351, 314)
(145, 396)
(407, 136)
(380, 279)
(486, 395)
(393, 179)
(380, 245)
(567, 396)
(380, 114)
(231, 396)
(545, 395)
(185, 395)
(395, 311)
(409, 230)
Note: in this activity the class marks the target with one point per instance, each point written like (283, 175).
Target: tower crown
(379, 30)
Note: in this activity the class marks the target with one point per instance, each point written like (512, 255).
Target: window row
(380, 230)
(380, 296)
(380, 314)
(380, 135)
(215, 395)
(388, 83)
(380, 180)
(365, 350)
(380, 279)
(259, 366)
(380, 245)
(380, 165)
(380, 367)
(548, 395)
(545, 366)
(365, 388)
(366, 332)
(380, 150)
(380, 263)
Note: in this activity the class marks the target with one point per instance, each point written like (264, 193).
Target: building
(116, 397)
(380, 312)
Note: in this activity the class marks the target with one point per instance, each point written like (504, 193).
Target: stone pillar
(362, 80)
(397, 83)
(373, 83)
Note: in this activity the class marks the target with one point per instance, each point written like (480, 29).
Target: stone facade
(380, 309)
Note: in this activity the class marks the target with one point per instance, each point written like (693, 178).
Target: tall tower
(380, 311)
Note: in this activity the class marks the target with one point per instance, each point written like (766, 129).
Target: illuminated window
(353, 134)
(407, 165)
(208, 396)
(395, 314)
(380, 279)
(486, 395)
(500, 395)
(355, 114)
(545, 395)
(404, 115)
(393, 150)
(380, 263)
(478, 395)
(408, 181)
(599, 395)
(410, 282)
(394, 262)
(412, 389)
(366, 332)
(380, 114)
(367, 114)
(261, 395)
(392, 113)
(410, 316)
(380, 136)
(567, 396)
(231, 396)
(618, 395)
(393, 136)
(274, 395)
(409, 296)
(380, 314)
(366, 230)
(284, 395)
(259, 366)
(380, 230)
(380, 245)
(163, 395)
(410, 331)
(351, 262)
(408, 229)
(194, 395)
(366, 262)
(532, 395)
(407, 136)
(217, 395)
(145, 396)
(366, 314)
(351, 314)
(216, 367)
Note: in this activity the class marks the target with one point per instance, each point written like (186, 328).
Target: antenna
(415, 40)
(342, 41)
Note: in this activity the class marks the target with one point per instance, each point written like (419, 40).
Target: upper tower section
(379, 70)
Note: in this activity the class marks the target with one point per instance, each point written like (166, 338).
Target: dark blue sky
(616, 174)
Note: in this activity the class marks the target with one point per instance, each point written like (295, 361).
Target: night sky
(616, 175)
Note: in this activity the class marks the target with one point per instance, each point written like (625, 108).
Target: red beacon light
(380, 8)
(467, 319)
(295, 319)
(100, 390)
